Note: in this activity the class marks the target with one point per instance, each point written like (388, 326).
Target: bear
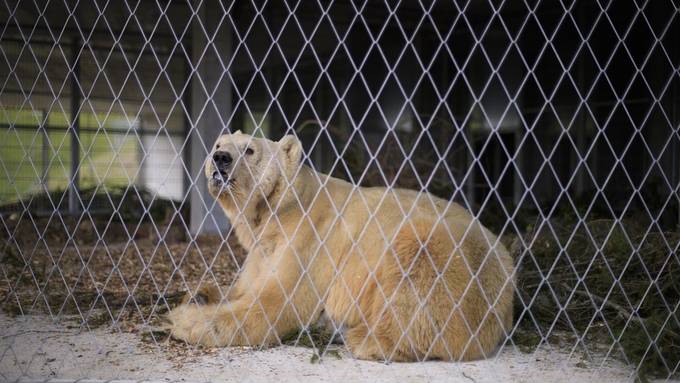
(406, 275)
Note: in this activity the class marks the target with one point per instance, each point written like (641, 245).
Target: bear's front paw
(195, 325)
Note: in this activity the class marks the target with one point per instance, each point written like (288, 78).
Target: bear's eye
(249, 151)
(217, 146)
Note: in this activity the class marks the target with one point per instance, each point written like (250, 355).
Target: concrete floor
(33, 347)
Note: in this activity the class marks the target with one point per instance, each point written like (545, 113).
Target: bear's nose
(222, 158)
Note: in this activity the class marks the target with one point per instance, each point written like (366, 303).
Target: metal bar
(45, 153)
(517, 188)
(90, 130)
(675, 115)
(76, 97)
(142, 173)
(676, 147)
(91, 98)
(70, 31)
(580, 128)
(120, 49)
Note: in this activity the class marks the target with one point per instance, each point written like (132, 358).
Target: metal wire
(542, 118)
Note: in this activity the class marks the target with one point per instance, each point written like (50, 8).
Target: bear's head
(243, 168)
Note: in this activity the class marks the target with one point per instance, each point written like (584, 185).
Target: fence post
(210, 109)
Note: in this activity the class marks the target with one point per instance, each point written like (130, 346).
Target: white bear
(409, 275)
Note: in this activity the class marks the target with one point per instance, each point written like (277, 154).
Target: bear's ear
(291, 148)
(237, 132)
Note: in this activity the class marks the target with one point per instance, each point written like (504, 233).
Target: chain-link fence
(539, 141)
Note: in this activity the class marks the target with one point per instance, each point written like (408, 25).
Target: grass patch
(29, 167)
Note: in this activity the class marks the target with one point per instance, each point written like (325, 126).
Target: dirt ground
(107, 272)
(36, 347)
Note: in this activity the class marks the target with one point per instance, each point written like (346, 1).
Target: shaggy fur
(434, 285)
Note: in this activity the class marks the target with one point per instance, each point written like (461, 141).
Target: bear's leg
(265, 308)
(251, 320)
(206, 295)
(237, 323)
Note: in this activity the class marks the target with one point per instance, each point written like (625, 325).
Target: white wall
(162, 170)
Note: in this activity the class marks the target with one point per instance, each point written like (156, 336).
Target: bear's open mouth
(221, 177)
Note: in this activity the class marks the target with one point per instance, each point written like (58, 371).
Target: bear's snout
(222, 159)
(219, 176)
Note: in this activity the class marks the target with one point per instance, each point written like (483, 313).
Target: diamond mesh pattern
(554, 123)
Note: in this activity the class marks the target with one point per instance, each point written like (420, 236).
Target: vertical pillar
(210, 110)
(74, 182)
